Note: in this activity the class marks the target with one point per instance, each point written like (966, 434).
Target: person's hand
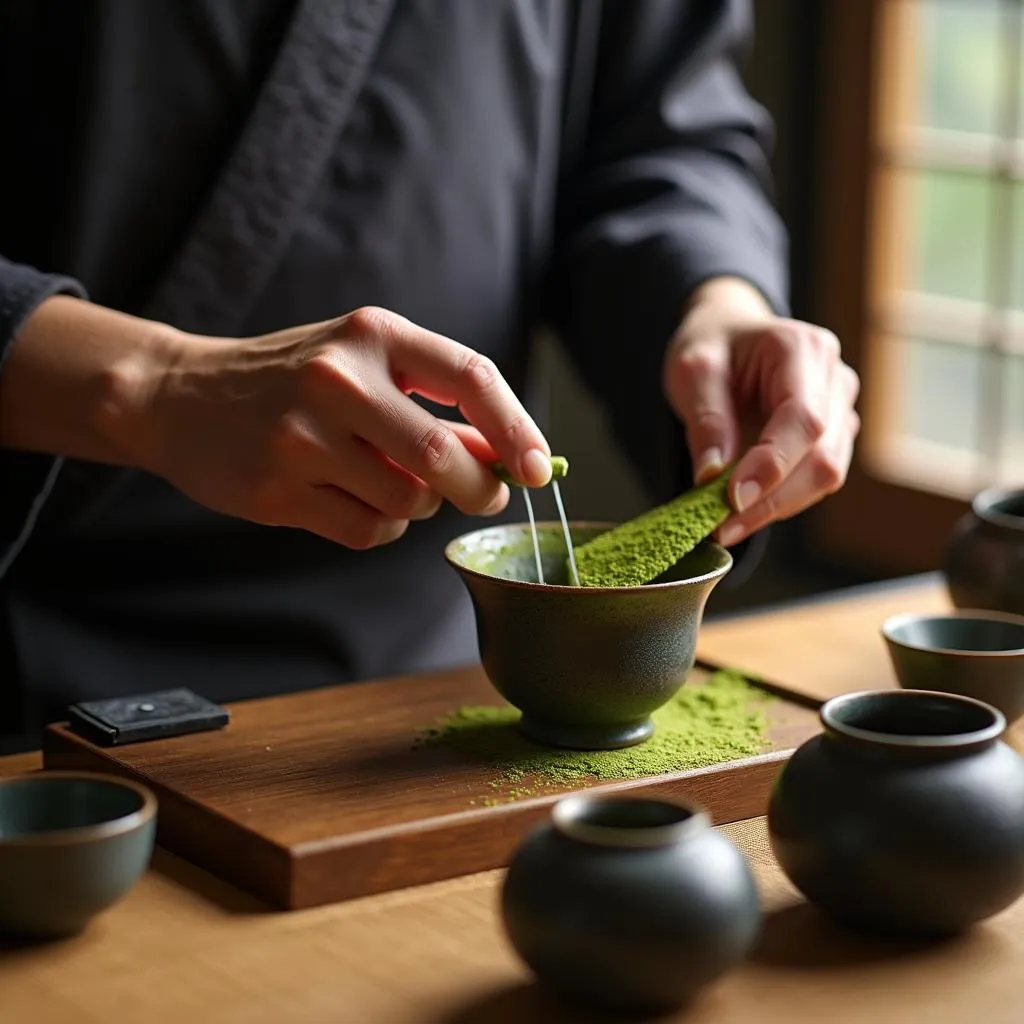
(313, 427)
(771, 392)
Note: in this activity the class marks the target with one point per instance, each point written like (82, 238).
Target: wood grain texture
(183, 947)
(323, 796)
(823, 648)
(20, 764)
(820, 648)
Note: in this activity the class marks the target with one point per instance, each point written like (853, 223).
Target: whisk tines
(559, 468)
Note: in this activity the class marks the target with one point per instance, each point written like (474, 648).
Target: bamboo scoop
(641, 549)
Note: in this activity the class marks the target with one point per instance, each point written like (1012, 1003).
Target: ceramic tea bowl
(985, 561)
(71, 844)
(586, 666)
(905, 815)
(629, 905)
(978, 654)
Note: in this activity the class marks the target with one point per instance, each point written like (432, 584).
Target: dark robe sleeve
(670, 187)
(25, 479)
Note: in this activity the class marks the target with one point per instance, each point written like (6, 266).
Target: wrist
(725, 304)
(125, 413)
(78, 382)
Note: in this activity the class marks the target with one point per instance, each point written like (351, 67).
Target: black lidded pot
(629, 905)
(906, 815)
(984, 565)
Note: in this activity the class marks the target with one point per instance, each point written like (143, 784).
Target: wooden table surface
(183, 947)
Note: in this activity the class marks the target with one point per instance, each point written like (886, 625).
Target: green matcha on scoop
(559, 469)
(641, 549)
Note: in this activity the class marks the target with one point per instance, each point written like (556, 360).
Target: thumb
(699, 388)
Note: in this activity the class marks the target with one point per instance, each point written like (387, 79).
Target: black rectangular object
(147, 716)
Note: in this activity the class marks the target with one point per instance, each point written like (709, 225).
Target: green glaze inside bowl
(506, 552)
(38, 806)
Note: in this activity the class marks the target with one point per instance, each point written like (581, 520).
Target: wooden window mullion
(995, 442)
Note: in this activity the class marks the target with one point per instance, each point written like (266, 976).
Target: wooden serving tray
(324, 796)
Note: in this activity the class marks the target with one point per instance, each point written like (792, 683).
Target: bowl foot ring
(587, 737)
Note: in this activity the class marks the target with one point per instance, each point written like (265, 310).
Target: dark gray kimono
(480, 166)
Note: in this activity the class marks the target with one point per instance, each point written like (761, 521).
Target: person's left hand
(769, 391)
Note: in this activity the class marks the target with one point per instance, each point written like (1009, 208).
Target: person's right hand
(313, 427)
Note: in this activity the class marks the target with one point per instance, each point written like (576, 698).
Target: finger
(327, 453)
(379, 482)
(428, 448)
(337, 516)
(452, 374)
(476, 444)
(700, 391)
(797, 392)
(848, 382)
(480, 448)
(822, 472)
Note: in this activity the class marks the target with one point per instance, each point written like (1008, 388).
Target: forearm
(75, 378)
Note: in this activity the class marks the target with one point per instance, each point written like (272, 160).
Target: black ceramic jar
(906, 815)
(985, 561)
(629, 905)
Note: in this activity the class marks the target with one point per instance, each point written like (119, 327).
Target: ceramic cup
(629, 904)
(978, 654)
(586, 666)
(906, 815)
(71, 844)
(985, 561)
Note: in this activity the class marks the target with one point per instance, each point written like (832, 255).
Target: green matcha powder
(722, 719)
(640, 550)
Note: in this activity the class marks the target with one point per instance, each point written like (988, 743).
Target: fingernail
(536, 467)
(730, 535)
(747, 494)
(709, 465)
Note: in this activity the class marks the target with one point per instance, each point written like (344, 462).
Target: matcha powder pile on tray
(707, 723)
(643, 548)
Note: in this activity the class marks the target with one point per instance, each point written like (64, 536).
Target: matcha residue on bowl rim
(706, 723)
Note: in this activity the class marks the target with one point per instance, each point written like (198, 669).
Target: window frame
(874, 524)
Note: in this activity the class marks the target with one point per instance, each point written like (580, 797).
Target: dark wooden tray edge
(423, 852)
(482, 840)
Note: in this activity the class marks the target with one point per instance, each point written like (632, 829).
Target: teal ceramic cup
(71, 845)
